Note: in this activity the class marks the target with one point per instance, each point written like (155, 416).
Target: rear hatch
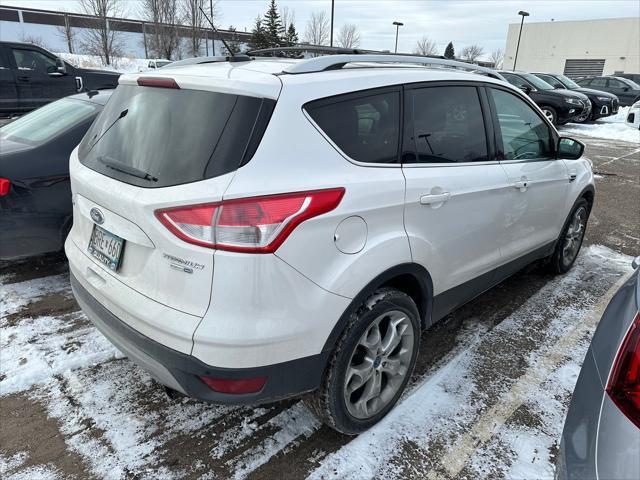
(157, 145)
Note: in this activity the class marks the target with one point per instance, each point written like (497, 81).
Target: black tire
(329, 402)
(563, 258)
(550, 113)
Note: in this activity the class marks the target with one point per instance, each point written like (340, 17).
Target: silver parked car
(601, 437)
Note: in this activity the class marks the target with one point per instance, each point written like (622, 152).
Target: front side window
(49, 121)
(516, 81)
(34, 61)
(551, 80)
(365, 128)
(448, 126)
(524, 134)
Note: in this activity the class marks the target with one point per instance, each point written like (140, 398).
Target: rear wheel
(570, 240)
(371, 364)
(550, 113)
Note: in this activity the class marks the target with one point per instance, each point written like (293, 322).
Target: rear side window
(448, 126)
(366, 127)
(159, 137)
(598, 82)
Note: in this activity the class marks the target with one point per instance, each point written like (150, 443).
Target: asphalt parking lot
(487, 400)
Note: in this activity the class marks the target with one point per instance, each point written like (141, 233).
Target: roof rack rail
(336, 62)
(308, 48)
(216, 59)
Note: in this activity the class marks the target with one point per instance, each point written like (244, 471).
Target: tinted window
(448, 125)
(598, 82)
(171, 135)
(34, 61)
(515, 80)
(365, 128)
(614, 83)
(524, 134)
(554, 82)
(46, 122)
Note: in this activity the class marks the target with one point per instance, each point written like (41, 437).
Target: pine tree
(449, 52)
(258, 37)
(234, 43)
(273, 28)
(291, 37)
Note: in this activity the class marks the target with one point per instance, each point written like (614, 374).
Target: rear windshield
(160, 137)
(43, 124)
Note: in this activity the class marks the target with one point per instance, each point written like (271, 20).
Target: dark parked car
(31, 77)
(627, 91)
(559, 106)
(603, 104)
(631, 76)
(601, 437)
(35, 196)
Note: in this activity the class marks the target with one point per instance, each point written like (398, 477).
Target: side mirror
(526, 89)
(625, 89)
(61, 68)
(569, 149)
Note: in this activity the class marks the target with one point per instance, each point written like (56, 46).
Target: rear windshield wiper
(114, 164)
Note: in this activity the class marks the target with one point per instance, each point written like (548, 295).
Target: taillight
(624, 382)
(5, 186)
(255, 225)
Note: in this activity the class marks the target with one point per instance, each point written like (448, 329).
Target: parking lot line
(491, 422)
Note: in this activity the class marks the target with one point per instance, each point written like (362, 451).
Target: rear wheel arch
(409, 278)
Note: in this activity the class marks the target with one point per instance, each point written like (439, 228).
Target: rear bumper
(181, 372)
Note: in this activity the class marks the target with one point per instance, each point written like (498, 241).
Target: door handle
(521, 185)
(434, 198)
(23, 78)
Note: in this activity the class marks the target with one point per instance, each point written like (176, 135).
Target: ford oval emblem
(96, 215)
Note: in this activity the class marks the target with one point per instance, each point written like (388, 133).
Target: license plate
(106, 247)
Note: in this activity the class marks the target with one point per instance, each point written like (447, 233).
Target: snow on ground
(119, 64)
(450, 403)
(463, 418)
(612, 128)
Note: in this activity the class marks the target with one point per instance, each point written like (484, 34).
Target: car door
(623, 91)
(538, 182)
(455, 189)
(37, 78)
(8, 91)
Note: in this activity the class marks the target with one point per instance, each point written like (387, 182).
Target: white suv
(253, 230)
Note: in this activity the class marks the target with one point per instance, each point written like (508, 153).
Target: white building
(586, 47)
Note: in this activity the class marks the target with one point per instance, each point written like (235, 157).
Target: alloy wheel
(549, 114)
(379, 364)
(574, 235)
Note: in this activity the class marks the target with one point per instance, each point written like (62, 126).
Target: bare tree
(32, 39)
(102, 40)
(497, 57)
(471, 53)
(163, 17)
(65, 31)
(287, 17)
(426, 46)
(349, 36)
(317, 31)
(196, 22)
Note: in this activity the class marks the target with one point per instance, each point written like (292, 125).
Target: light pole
(524, 14)
(332, 8)
(398, 25)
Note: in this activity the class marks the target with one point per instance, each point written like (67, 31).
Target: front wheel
(551, 114)
(570, 240)
(371, 364)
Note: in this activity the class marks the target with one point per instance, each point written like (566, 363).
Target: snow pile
(613, 128)
(120, 64)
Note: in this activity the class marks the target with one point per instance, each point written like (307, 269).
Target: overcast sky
(463, 22)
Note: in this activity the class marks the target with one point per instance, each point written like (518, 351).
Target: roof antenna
(234, 57)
